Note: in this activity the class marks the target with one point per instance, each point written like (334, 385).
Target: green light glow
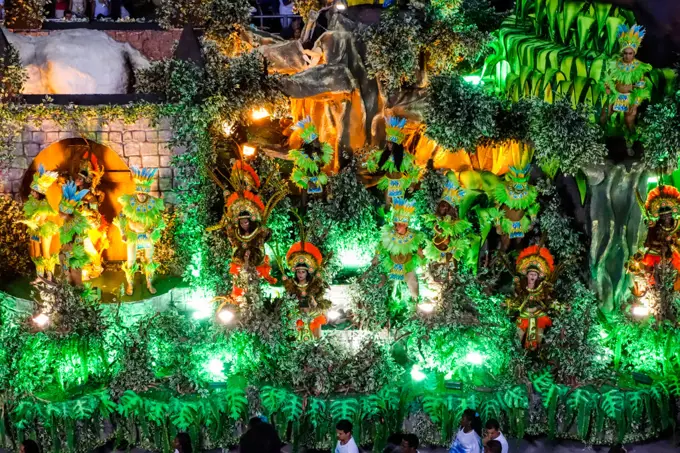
(354, 257)
(200, 303)
(416, 374)
(474, 358)
(473, 80)
(215, 368)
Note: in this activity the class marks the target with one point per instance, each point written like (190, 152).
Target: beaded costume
(399, 166)
(516, 202)
(141, 224)
(39, 217)
(311, 159)
(74, 229)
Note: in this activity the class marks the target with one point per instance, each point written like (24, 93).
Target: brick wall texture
(139, 144)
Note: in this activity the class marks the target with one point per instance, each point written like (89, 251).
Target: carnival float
(404, 211)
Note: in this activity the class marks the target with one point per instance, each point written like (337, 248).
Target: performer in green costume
(517, 205)
(398, 165)
(624, 79)
(399, 250)
(454, 238)
(72, 233)
(39, 217)
(310, 160)
(141, 224)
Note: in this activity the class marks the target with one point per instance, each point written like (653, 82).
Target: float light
(259, 114)
(41, 320)
(417, 375)
(472, 79)
(340, 5)
(225, 316)
(228, 128)
(640, 311)
(426, 307)
(333, 315)
(249, 150)
(474, 358)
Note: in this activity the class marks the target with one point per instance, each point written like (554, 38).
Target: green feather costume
(72, 233)
(307, 168)
(619, 72)
(398, 253)
(396, 187)
(37, 214)
(516, 194)
(148, 213)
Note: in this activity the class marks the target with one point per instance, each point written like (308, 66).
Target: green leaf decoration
(582, 184)
(370, 407)
(237, 402)
(155, 411)
(433, 407)
(130, 404)
(316, 411)
(613, 405)
(183, 414)
(272, 399)
(601, 13)
(581, 403)
(584, 27)
(292, 408)
(344, 409)
(611, 30)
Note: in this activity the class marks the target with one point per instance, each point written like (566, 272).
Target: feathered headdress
(304, 255)
(245, 176)
(453, 193)
(42, 179)
(663, 200)
(70, 197)
(394, 129)
(630, 37)
(402, 210)
(537, 259)
(307, 129)
(245, 205)
(143, 178)
(519, 174)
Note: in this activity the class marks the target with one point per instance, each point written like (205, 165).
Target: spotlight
(333, 315)
(474, 358)
(417, 375)
(639, 310)
(41, 320)
(225, 316)
(249, 150)
(259, 114)
(426, 307)
(227, 128)
(340, 5)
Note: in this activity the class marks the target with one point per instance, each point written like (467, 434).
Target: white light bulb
(225, 316)
(426, 307)
(475, 358)
(41, 320)
(332, 315)
(639, 310)
(227, 128)
(416, 374)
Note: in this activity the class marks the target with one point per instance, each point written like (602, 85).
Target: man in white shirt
(346, 442)
(493, 432)
(409, 443)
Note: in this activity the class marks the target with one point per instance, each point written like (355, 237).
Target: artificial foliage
(565, 137)
(13, 239)
(660, 135)
(459, 115)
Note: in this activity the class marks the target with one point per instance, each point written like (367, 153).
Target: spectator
(60, 8)
(29, 446)
(286, 9)
(618, 448)
(468, 439)
(393, 443)
(346, 443)
(261, 437)
(182, 443)
(493, 432)
(77, 7)
(100, 9)
(68, 15)
(493, 446)
(409, 443)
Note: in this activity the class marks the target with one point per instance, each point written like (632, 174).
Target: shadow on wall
(64, 157)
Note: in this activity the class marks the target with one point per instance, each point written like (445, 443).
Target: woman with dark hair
(469, 437)
(29, 446)
(182, 443)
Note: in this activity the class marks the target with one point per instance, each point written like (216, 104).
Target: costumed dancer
(624, 79)
(39, 217)
(308, 286)
(662, 213)
(399, 250)
(141, 224)
(310, 160)
(454, 238)
(72, 233)
(96, 241)
(516, 203)
(398, 165)
(533, 301)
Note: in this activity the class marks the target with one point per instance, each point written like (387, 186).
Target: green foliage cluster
(660, 135)
(220, 18)
(566, 136)
(12, 75)
(13, 240)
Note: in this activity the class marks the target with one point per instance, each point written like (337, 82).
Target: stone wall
(153, 44)
(139, 144)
